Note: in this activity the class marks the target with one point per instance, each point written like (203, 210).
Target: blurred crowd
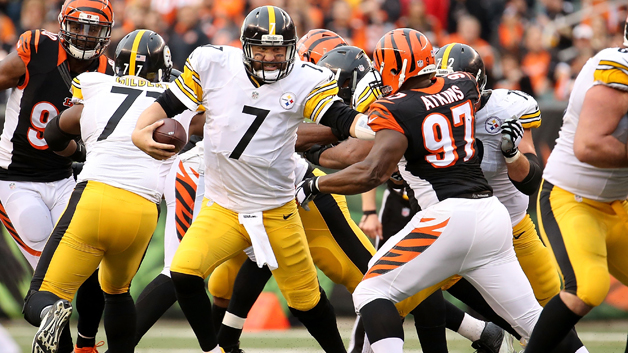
(537, 46)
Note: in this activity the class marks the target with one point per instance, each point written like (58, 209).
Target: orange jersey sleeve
(381, 118)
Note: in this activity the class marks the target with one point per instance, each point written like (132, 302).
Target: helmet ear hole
(394, 72)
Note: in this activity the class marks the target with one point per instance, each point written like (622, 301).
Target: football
(171, 133)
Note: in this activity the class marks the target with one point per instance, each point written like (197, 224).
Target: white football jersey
(250, 129)
(111, 108)
(504, 104)
(609, 67)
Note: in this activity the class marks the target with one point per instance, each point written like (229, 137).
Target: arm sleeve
(171, 104)
(531, 182)
(56, 138)
(339, 118)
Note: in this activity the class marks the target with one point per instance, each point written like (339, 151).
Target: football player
(316, 43)
(253, 111)
(462, 228)
(35, 183)
(582, 206)
(95, 230)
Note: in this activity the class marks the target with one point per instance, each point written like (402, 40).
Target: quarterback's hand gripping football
(512, 133)
(143, 139)
(367, 90)
(306, 191)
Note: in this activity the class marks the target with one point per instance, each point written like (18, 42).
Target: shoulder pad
(519, 105)
(612, 68)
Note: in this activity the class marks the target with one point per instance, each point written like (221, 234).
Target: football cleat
(52, 324)
(490, 340)
(89, 349)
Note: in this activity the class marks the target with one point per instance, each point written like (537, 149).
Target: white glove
(512, 133)
(368, 90)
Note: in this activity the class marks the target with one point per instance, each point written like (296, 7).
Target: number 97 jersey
(250, 128)
(441, 159)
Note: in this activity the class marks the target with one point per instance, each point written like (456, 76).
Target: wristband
(514, 158)
(369, 212)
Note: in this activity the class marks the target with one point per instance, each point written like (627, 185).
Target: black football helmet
(143, 53)
(626, 33)
(268, 26)
(349, 64)
(460, 57)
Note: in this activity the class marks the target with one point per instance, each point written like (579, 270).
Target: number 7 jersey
(441, 160)
(250, 129)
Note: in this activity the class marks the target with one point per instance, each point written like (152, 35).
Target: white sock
(388, 345)
(234, 321)
(471, 328)
(582, 349)
(216, 349)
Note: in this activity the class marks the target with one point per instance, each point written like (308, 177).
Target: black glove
(512, 133)
(80, 153)
(77, 167)
(306, 191)
(314, 153)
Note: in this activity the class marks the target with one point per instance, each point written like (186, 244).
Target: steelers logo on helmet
(287, 100)
(493, 125)
(268, 27)
(85, 27)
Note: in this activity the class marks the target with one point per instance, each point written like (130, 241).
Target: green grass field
(177, 337)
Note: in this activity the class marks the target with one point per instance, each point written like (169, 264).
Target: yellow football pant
(216, 236)
(536, 261)
(102, 225)
(588, 240)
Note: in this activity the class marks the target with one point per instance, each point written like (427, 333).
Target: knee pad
(220, 282)
(593, 286)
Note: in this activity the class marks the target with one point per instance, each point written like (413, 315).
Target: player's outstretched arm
(142, 135)
(12, 68)
(345, 154)
(309, 135)
(594, 143)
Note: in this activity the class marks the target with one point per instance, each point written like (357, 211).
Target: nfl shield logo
(287, 100)
(255, 95)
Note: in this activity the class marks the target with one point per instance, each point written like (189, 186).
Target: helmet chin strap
(268, 75)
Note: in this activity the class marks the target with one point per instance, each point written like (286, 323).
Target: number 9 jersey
(42, 93)
(250, 128)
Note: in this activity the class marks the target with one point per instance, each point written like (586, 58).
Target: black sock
(197, 308)
(466, 293)
(90, 303)
(570, 344)
(358, 336)
(320, 322)
(218, 313)
(554, 324)
(248, 285)
(156, 298)
(120, 320)
(381, 320)
(429, 320)
(454, 316)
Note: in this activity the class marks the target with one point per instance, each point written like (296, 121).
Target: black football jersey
(441, 160)
(42, 93)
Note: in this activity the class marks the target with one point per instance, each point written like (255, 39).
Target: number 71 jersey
(441, 160)
(111, 108)
(250, 128)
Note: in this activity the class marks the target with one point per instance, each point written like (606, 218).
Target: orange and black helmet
(315, 43)
(85, 27)
(401, 54)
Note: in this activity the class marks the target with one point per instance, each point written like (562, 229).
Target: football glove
(512, 133)
(306, 191)
(368, 90)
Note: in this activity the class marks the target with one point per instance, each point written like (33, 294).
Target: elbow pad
(531, 182)
(56, 138)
